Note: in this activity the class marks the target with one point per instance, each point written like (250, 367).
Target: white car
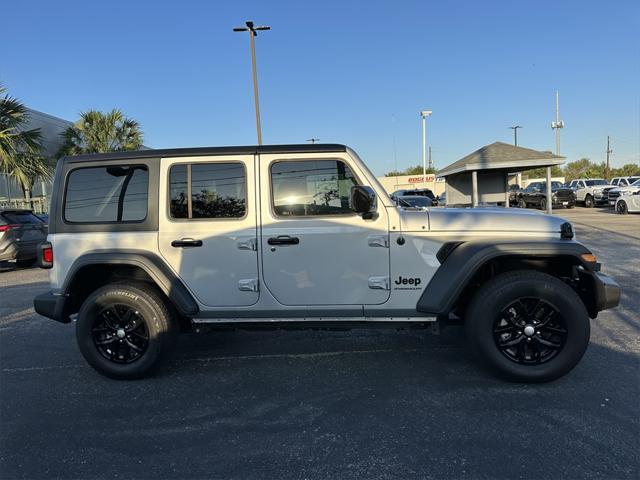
(629, 201)
(617, 192)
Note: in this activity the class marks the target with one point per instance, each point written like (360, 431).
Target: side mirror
(363, 200)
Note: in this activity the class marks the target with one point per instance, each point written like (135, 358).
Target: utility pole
(313, 140)
(515, 134)
(253, 32)
(609, 152)
(424, 114)
(557, 125)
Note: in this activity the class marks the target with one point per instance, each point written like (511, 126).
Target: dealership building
(51, 129)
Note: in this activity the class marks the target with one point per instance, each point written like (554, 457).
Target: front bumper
(604, 292)
(51, 306)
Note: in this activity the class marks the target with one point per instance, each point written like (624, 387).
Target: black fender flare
(460, 261)
(165, 278)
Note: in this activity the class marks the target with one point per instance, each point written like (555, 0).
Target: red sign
(420, 179)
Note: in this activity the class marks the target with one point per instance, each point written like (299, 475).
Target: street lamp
(515, 134)
(253, 32)
(424, 114)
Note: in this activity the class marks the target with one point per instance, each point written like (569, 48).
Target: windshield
(415, 201)
(591, 183)
(636, 183)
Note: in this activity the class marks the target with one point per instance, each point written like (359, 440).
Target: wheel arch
(95, 269)
(468, 264)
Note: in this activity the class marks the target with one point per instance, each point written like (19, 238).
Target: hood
(481, 219)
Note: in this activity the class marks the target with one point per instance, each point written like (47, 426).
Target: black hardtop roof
(201, 151)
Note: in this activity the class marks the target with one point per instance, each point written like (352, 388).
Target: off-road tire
(490, 300)
(161, 329)
(621, 207)
(543, 204)
(588, 201)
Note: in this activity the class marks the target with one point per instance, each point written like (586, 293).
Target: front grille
(613, 195)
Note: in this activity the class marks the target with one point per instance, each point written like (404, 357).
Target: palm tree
(20, 155)
(98, 132)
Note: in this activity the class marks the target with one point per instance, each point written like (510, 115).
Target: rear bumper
(19, 251)
(51, 306)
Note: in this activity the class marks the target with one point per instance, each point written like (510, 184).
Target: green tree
(627, 170)
(417, 170)
(98, 132)
(577, 169)
(556, 171)
(20, 149)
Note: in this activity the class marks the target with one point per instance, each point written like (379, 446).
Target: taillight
(6, 228)
(45, 255)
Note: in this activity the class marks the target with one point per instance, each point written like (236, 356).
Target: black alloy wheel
(621, 207)
(120, 333)
(530, 331)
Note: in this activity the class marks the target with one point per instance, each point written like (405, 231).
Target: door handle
(283, 240)
(186, 242)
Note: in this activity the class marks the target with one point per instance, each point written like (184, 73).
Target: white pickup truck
(591, 191)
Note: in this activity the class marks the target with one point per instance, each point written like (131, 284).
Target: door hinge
(379, 283)
(248, 285)
(378, 241)
(248, 244)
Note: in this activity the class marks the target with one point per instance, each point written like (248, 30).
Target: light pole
(253, 32)
(424, 114)
(515, 134)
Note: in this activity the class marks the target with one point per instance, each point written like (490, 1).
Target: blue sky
(343, 71)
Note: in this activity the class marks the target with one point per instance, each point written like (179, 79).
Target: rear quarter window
(109, 194)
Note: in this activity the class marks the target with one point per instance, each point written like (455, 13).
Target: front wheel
(125, 331)
(527, 326)
(543, 204)
(588, 201)
(621, 207)
(522, 203)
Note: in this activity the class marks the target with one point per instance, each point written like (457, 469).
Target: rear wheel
(588, 201)
(621, 207)
(527, 326)
(125, 331)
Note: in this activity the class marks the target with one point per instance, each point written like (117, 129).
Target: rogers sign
(420, 179)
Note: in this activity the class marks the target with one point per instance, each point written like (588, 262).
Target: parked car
(421, 192)
(143, 245)
(536, 195)
(514, 193)
(591, 191)
(20, 233)
(616, 192)
(414, 201)
(625, 199)
(628, 203)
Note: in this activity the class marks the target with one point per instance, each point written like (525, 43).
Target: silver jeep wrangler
(143, 245)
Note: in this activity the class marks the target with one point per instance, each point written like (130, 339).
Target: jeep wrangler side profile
(143, 245)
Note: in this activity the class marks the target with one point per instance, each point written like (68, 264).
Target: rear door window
(113, 194)
(208, 190)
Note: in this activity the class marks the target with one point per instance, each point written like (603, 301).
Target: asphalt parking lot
(358, 404)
